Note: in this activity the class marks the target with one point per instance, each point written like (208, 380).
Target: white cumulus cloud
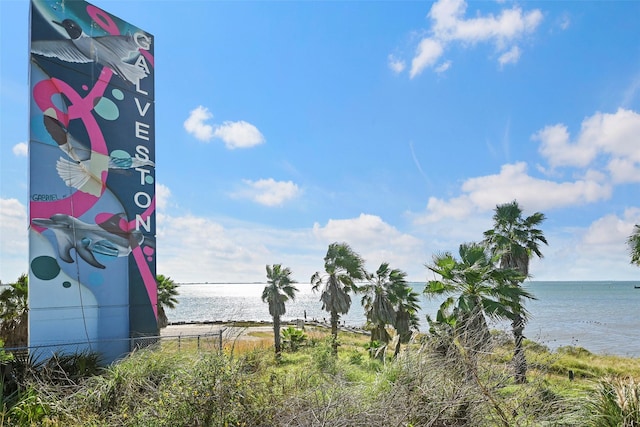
(239, 134)
(268, 192)
(481, 194)
(21, 149)
(375, 240)
(615, 136)
(196, 126)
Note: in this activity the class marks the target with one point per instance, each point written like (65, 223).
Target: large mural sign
(92, 181)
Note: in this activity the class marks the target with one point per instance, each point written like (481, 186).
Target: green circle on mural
(66, 284)
(45, 267)
(117, 94)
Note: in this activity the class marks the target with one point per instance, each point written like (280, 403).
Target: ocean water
(602, 317)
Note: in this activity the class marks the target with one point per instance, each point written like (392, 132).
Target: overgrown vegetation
(245, 385)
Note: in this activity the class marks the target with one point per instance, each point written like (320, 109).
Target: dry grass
(197, 384)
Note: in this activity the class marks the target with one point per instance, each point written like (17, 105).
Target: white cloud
(376, 241)
(483, 193)
(268, 192)
(632, 91)
(573, 252)
(13, 239)
(196, 126)
(510, 57)
(21, 149)
(449, 25)
(624, 171)
(396, 65)
(511, 24)
(611, 232)
(443, 67)
(162, 196)
(427, 53)
(614, 135)
(239, 134)
(186, 254)
(565, 22)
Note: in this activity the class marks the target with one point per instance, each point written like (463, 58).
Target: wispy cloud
(510, 57)
(427, 53)
(268, 192)
(396, 65)
(565, 22)
(21, 149)
(238, 134)
(449, 26)
(162, 196)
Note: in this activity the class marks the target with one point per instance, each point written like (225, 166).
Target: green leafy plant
(293, 338)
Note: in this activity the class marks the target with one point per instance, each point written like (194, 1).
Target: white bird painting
(113, 52)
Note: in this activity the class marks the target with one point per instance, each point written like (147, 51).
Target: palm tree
(405, 301)
(279, 290)
(14, 313)
(377, 304)
(515, 239)
(167, 293)
(343, 267)
(476, 290)
(633, 241)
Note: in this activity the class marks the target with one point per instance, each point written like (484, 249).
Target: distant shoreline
(214, 326)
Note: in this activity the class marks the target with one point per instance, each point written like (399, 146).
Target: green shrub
(323, 358)
(292, 338)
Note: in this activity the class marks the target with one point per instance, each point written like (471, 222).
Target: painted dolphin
(109, 51)
(108, 238)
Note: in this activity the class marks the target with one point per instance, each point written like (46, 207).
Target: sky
(394, 126)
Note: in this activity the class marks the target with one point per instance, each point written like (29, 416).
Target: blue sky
(394, 126)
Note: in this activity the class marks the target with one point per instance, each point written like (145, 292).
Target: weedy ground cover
(245, 385)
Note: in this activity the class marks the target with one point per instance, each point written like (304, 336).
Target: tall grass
(244, 385)
(615, 403)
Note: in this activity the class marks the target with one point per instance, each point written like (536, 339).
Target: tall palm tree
(476, 290)
(378, 307)
(515, 240)
(167, 293)
(279, 290)
(633, 241)
(343, 267)
(14, 313)
(405, 301)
